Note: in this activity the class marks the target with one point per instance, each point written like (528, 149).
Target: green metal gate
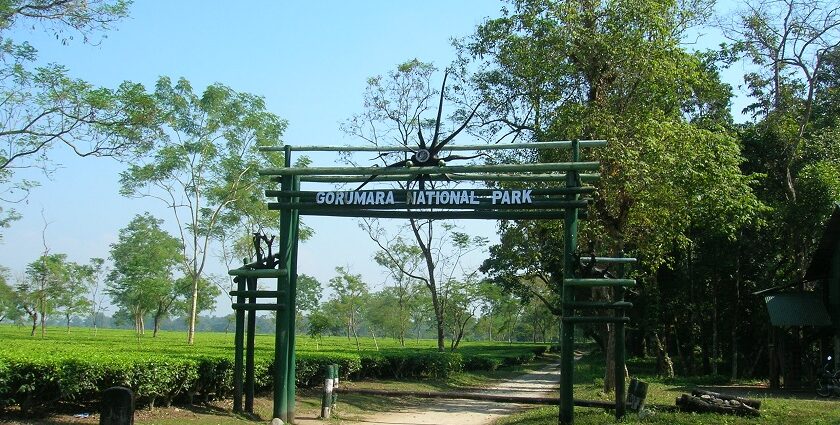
(561, 192)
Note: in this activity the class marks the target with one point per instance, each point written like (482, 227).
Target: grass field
(793, 408)
(59, 343)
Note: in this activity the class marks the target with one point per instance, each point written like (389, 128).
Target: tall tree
(205, 167)
(46, 282)
(45, 108)
(401, 260)
(790, 42)
(144, 259)
(395, 106)
(613, 70)
(309, 291)
(73, 300)
(97, 291)
(349, 294)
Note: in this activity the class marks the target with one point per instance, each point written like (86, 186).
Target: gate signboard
(430, 189)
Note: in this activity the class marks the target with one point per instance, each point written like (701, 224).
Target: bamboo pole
(294, 235)
(269, 273)
(591, 283)
(566, 414)
(414, 171)
(560, 144)
(620, 360)
(443, 215)
(249, 348)
(281, 343)
(585, 178)
(238, 342)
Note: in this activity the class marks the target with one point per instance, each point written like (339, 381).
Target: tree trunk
(664, 365)
(43, 318)
(193, 312)
(609, 373)
(431, 284)
(733, 373)
(356, 337)
(157, 324)
(34, 316)
(714, 350)
(490, 326)
(441, 331)
(375, 343)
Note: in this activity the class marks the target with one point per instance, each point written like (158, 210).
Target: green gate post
(568, 327)
(281, 342)
(284, 343)
(237, 346)
(292, 297)
(620, 403)
(249, 348)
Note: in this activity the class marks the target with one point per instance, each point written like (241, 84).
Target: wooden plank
(414, 171)
(595, 319)
(599, 304)
(267, 273)
(258, 293)
(258, 307)
(589, 283)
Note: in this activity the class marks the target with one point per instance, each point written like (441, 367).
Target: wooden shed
(806, 317)
(825, 271)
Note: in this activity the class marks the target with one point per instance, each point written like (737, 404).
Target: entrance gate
(545, 200)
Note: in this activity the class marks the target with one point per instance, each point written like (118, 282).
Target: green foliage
(144, 258)
(350, 292)
(9, 309)
(205, 168)
(308, 293)
(34, 373)
(44, 108)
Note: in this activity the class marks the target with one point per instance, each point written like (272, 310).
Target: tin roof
(797, 309)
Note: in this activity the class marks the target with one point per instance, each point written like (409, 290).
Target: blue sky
(310, 60)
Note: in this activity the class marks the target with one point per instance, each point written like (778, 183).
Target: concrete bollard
(327, 399)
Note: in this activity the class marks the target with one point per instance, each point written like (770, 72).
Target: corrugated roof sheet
(797, 309)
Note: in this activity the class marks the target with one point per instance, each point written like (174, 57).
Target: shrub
(39, 372)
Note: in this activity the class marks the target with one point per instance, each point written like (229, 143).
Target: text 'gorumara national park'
(424, 197)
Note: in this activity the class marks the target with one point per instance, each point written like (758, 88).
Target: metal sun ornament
(428, 154)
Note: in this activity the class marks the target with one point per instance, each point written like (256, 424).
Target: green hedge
(399, 364)
(33, 378)
(31, 383)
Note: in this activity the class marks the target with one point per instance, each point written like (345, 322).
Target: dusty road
(463, 412)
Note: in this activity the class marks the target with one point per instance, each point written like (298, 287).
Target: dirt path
(542, 382)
